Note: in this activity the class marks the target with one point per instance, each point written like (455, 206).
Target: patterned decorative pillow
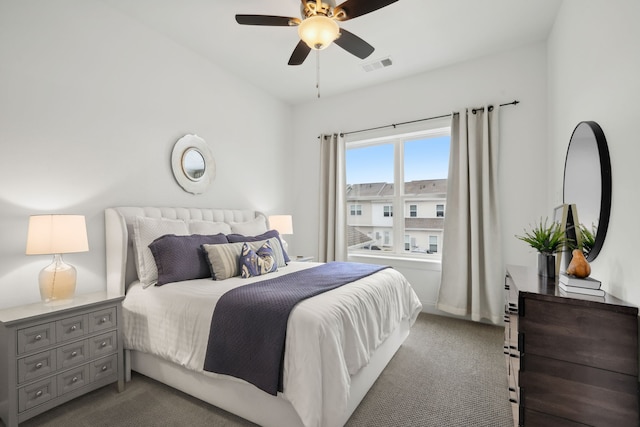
(182, 257)
(256, 263)
(234, 238)
(224, 259)
(145, 231)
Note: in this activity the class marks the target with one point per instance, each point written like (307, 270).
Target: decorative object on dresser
(50, 355)
(57, 235)
(547, 239)
(579, 266)
(571, 360)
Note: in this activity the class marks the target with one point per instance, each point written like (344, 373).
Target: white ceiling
(418, 36)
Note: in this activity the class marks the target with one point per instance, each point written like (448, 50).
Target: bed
(337, 342)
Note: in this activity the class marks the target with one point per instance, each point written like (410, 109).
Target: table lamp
(283, 224)
(57, 235)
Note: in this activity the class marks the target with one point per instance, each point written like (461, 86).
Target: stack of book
(586, 286)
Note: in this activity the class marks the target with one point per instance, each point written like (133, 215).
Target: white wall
(518, 74)
(91, 104)
(594, 64)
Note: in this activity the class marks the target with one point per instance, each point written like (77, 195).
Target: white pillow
(145, 231)
(250, 228)
(208, 228)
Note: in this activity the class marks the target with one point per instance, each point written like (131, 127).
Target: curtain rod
(515, 102)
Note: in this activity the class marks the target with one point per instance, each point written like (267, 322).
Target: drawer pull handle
(74, 353)
(39, 393)
(38, 365)
(73, 328)
(103, 320)
(103, 344)
(74, 379)
(38, 337)
(104, 368)
(513, 401)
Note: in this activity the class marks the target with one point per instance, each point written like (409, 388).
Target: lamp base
(57, 282)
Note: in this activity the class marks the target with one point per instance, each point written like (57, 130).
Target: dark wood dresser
(572, 360)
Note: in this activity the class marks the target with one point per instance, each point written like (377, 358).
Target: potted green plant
(548, 239)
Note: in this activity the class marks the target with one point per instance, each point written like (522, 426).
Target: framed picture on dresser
(567, 216)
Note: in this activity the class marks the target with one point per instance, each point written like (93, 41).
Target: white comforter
(329, 337)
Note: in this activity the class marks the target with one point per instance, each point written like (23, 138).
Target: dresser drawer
(102, 320)
(103, 368)
(103, 345)
(36, 394)
(72, 327)
(35, 366)
(576, 392)
(73, 354)
(73, 379)
(36, 337)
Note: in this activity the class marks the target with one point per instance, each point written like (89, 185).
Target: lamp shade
(319, 31)
(282, 223)
(56, 234)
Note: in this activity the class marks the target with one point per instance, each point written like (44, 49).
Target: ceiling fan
(319, 27)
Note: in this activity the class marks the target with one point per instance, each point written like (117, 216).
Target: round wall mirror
(587, 184)
(192, 164)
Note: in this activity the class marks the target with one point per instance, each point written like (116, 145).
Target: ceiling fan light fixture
(318, 31)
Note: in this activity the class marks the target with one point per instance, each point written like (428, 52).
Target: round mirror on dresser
(587, 181)
(192, 164)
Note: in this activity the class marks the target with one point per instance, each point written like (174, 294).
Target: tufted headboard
(121, 270)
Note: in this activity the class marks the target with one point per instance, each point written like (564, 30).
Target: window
(401, 172)
(433, 244)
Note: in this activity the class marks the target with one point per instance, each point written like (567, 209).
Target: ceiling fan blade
(354, 8)
(299, 54)
(272, 21)
(354, 44)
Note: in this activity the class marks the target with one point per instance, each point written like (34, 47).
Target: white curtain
(472, 282)
(332, 244)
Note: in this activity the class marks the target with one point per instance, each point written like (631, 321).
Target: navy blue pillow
(256, 263)
(237, 238)
(181, 257)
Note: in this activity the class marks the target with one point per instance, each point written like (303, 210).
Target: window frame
(430, 129)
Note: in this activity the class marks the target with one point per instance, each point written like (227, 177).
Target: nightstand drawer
(73, 379)
(103, 345)
(36, 394)
(103, 319)
(72, 327)
(105, 367)
(73, 354)
(36, 366)
(36, 337)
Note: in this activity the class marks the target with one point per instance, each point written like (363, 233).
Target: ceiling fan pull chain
(318, 72)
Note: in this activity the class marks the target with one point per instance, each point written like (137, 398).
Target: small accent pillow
(234, 238)
(249, 228)
(208, 227)
(182, 257)
(145, 231)
(224, 259)
(256, 263)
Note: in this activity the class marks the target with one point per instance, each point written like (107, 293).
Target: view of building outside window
(419, 164)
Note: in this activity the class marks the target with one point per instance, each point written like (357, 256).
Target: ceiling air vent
(380, 63)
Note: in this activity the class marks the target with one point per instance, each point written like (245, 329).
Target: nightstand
(52, 354)
(301, 258)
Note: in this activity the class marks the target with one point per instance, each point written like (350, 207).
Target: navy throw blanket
(249, 323)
